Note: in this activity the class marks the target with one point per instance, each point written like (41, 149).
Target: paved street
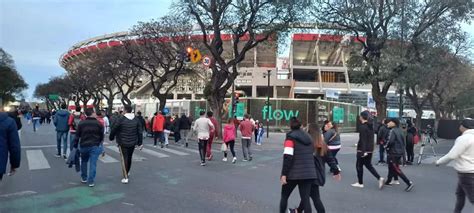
(171, 180)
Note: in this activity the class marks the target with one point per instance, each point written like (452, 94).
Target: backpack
(416, 137)
(76, 120)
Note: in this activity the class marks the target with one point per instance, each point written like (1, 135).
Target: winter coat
(298, 163)
(382, 134)
(158, 123)
(9, 143)
(128, 131)
(17, 119)
(61, 121)
(366, 138)
(142, 121)
(396, 143)
(229, 133)
(89, 133)
(184, 123)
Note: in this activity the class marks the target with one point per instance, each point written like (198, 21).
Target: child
(229, 139)
(260, 134)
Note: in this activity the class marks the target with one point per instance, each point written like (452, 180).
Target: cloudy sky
(37, 32)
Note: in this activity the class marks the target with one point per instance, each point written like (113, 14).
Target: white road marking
(23, 193)
(193, 150)
(36, 160)
(36, 147)
(107, 159)
(135, 157)
(174, 151)
(154, 153)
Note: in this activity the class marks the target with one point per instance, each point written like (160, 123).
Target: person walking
(142, 122)
(410, 142)
(365, 148)
(257, 125)
(10, 148)
(246, 129)
(395, 147)
(185, 128)
(382, 136)
(158, 125)
(332, 138)
(89, 137)
(203, 127)
(60, 121)
(214, 134)
(462, 157)
(73, 122)
(167, 129)
(229, 139)
(260, 130)
(106, 122)
(128, 131)
(298, 166)
(321, 155)
(36, 116)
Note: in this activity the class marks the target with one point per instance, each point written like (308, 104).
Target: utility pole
(402, 25)
(268, 102)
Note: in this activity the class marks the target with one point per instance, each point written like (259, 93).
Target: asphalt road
(173, 181)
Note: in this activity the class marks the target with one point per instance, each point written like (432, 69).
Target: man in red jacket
(214, 134)
(158, 123)
(246, 128)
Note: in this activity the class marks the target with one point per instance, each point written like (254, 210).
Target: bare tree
(250, 23)
(159, 51)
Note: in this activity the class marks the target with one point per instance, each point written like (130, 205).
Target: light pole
(268, 101)
(400, 104)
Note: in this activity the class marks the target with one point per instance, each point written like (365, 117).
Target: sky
(37, 32)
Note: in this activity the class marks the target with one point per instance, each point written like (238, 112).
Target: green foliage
(11, 82)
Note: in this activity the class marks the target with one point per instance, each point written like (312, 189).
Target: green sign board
(53, 97)
(352, 117)
(239, 110)
(338, 114)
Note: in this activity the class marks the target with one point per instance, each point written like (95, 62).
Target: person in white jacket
(462, 157)
(203, 127)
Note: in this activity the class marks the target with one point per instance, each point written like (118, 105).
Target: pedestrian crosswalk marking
(134, 156)
(36, 160)
(108, 159)
(187, 149)
(154, 153)
(176, 152)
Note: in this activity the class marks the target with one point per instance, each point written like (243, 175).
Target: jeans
(35, 124)
(246, 148)
(202, 144)
(127, 153)
(304, 186)
(259, 139)
(334, 153)
(61, 136)
(381, 153)
(367, 162)
(209, 146)
(315, 196)
(230, 144)
(72, 136)
(158, 135)
(89, 155)
(185, 134)
(394, 169)
(465, 189)
(166, 135)
(410, 152)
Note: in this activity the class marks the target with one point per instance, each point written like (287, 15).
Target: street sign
(206, 61)
(196, 56)
(53, 97)
(338, 115)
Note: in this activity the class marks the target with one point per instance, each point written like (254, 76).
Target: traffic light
(187, 56)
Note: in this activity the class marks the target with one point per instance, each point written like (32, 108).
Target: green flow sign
(239, 110)
(338, 115)
(53, 97)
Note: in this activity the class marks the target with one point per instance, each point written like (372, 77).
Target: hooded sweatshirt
(298, 159)
(9, 143)
(229, 132)
(462, 153)
(127, 130)
(61, 121)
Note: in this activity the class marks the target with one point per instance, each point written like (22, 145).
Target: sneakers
(245, 160)
(381, 182)
(154, 146)
(234, 160)
(250, 159)
(395, 182)
(166, 145)
(64, 156)
(91, 185)
(162, 146)
(409, 187)
(186, 145)
(203, 164)
(125, 180)
(210, 157)
(224, 159)
(357, 185)
(57, 155)
(83, 181)
(290, 210)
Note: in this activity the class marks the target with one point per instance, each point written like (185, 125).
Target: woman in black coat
(321, 156)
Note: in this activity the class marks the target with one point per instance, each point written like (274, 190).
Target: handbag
(416, 139)
(224, 147)
(320, 169)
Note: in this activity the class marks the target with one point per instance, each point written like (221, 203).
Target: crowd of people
(306, 149)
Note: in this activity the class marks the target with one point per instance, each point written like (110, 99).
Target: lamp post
(400, 104)
(268, 100)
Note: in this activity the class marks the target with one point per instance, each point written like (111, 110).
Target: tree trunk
(419, 113)
(162, 100)
(110, 106)
(381, 106)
